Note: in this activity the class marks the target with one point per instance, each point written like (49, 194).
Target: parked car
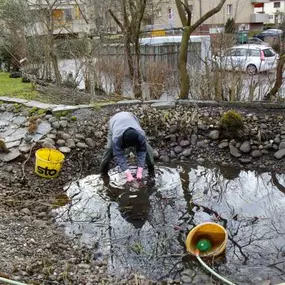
(275, 33)
(249, 58)
(257, 41)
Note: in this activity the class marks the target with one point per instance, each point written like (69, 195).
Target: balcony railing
(259, 1)
(259, 18)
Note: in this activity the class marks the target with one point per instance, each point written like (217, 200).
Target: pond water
(142, 227)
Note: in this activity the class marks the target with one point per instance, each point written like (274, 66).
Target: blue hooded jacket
(118, 124)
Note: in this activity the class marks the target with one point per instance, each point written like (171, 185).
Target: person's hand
(139, 173)
(129, 175)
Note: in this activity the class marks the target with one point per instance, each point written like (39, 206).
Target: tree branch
(181, 12)
(116, 19)
(208, 15)
(188, 11)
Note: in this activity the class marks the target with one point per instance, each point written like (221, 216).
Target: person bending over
(124, 132)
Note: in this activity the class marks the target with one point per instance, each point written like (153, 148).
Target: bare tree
(132, 12)
(185, 15)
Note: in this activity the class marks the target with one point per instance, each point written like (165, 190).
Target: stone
(64, 149)
(184, 143)
(234, 151)
(245, 160)
(60, 142)
(187, 152)
(51, 136)
(49, 141)
(52, 119)
(172, 154)
(24, 147)
(163, 105)
(70, 143)
(82, 145)
(165, 158)
(13, 144)
(26, 211)
(173, 129)
(155, 154)
(202, 144)
(90, 142)
(48, 116)
(245, 147)
(63, 123)
(277, 140)
(202, 127)
(279, 154)
(79, 137)
(256, 153)
(13, 154)
(178, 149)
(194, 139)
(19, 120)
(223, 145)
(214, 135)
(282, 145)
(201, 160)
(65, 136)
(56, 125)
(15, 135)
(47, 145)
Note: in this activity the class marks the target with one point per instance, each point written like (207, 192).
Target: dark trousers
(108, 156)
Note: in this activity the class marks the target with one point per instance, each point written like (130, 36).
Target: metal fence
(167, 54)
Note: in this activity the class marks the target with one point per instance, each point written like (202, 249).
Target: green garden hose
(212, 271)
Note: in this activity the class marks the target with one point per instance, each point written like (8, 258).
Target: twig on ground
(23, 179)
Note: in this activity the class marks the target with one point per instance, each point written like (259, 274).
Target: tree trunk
(279, 78)
(54, 59)
(182, 64)
(137, 74)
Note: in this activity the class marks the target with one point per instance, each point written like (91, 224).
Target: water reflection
(143, 227)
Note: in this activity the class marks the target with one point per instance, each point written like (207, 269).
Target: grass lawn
(13, 87)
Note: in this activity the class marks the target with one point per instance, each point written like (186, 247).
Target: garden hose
(9, 281)
(211, 270)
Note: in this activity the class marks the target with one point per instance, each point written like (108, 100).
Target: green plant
(73, 118)
(230, 26)
(231, 121)
(33, 110)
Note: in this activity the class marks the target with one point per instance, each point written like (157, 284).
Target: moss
(41, 111)
(231, 121)
(62, 113)
(33, 110)
(73, 118)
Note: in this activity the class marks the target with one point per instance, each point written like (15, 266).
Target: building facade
(243, 11)
(65, 17)
(276, 11)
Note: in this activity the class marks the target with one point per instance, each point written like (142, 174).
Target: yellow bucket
(48, 162)
(215, 233)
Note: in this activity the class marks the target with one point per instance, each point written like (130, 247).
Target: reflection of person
(125, 131)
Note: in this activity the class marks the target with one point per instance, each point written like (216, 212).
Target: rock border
(154, 103)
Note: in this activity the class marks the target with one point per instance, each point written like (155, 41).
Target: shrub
(231, 121)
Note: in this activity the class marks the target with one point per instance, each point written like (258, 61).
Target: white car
(249, 58)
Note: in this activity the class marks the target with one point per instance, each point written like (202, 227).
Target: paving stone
(13, 154)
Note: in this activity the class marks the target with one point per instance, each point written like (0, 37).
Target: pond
(142, 227)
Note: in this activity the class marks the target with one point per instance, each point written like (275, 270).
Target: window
(240, 52)
(276, 4)
(159, 12)
(229, 9)
(268, 53)
(68, 14)
(271, 17)
(254, 52)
